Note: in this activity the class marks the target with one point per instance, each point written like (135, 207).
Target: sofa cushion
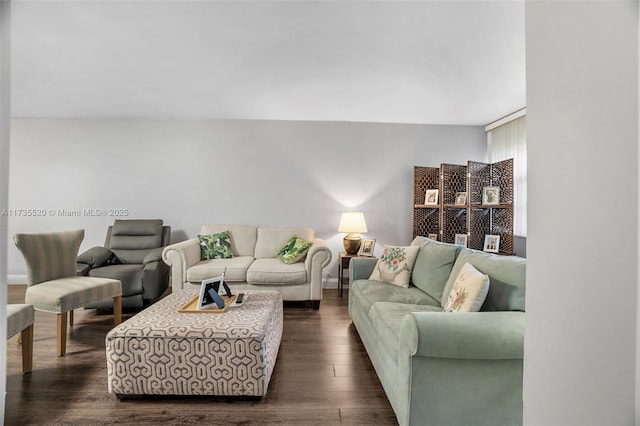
(129, 275)
(236, 269)
(215, 246)
(395, 265)
(369, 292)
(468, 292)
(243, 237)
(386, 318)
(271, 240)
(294, 250)
(506, 274)
(433, 265)
(273, 271)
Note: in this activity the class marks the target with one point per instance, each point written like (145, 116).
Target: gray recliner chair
(132, 253)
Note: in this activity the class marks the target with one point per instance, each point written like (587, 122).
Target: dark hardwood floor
(323, 376)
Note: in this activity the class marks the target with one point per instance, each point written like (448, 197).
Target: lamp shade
(352, 222)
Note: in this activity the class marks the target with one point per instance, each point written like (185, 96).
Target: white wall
(233, 171)
(5, 91)
(582, 245)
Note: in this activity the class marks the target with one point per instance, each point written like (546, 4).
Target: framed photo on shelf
(461, 198)
(461, 240)
(491, 195)
(431, 197)
(433, 237)
(367, 247)
(491, 243)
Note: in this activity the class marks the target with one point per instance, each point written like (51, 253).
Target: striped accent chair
(53, 284)
(20, 319)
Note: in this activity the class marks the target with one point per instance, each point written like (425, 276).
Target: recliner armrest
(95, 257)
(154, 256)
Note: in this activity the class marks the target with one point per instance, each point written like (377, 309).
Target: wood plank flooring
(323, 376)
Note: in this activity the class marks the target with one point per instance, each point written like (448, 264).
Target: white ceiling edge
(435, 62)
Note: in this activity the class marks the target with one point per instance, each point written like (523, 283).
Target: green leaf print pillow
(216, 246)
(294, 250)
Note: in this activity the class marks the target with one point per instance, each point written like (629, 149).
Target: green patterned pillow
(216, 246)
(294, 250)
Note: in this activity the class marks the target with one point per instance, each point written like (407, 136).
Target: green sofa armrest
(95, 257)
(360, 268)
(470, 335)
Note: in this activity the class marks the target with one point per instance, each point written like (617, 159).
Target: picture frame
(366, 249)
(460, 239)
(431, 197)
(461, 198)
(491, 195)
(491, 243)
(209, 293)
(433, 237)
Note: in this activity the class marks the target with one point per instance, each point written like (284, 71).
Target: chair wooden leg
(62, 333)
(71, 318)
(27, 349)
(117, 310)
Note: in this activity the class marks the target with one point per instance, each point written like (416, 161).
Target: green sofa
(444, 368)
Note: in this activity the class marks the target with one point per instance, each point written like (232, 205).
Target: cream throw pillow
(395, 265)
(468, 291)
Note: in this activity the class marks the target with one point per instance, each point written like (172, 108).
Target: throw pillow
(294, 250)
(468, 291)
(395, 265)
(216, 246)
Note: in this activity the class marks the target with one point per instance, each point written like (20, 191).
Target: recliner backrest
(131, 240)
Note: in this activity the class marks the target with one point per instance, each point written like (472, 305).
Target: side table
(343, 263)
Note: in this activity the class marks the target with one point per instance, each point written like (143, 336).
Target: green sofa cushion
(506, 279)
(433, 266)
(370, 292)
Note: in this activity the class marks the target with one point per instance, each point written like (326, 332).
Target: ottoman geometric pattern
(160, 351)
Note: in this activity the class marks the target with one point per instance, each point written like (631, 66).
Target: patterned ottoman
(160, 351)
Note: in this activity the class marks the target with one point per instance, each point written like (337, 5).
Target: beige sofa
(254, 264)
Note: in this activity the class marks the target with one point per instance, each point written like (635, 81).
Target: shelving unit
(475, 219)
(426, 219)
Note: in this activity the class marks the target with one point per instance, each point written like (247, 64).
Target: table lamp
(353, 223)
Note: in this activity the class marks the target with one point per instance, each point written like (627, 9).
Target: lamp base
(352, 243)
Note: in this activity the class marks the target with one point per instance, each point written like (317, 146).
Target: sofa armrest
(95, 257)
(318, 257)
(470, 335)
(180, 257)
(360, 268)
(441, 355)
(154, 255)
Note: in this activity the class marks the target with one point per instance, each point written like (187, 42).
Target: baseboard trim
(17, 279)
(330, 283)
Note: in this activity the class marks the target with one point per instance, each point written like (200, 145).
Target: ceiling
(433, 62)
